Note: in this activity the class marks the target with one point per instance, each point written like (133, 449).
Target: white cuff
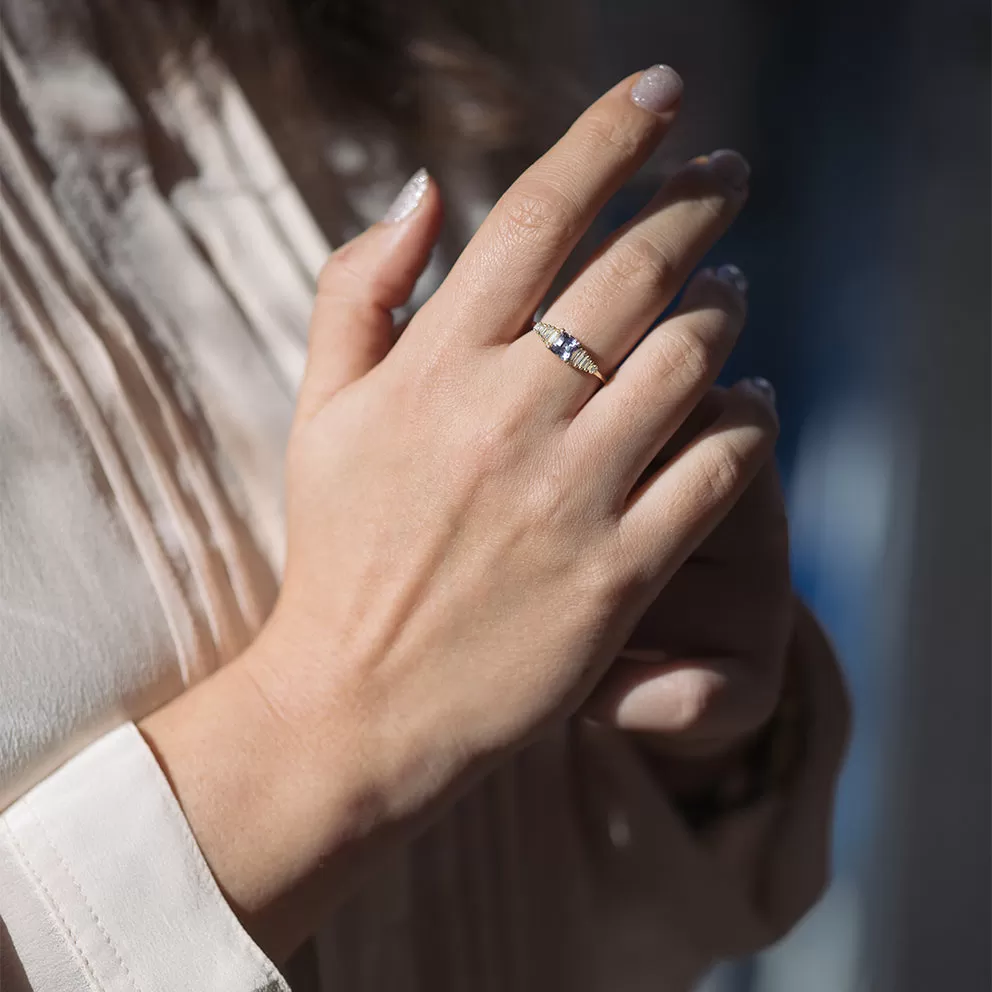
(103, 888)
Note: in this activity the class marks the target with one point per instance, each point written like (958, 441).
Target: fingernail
(408, 197)
(733, 275)
(760, 387)
(658, 89)
(730, 166)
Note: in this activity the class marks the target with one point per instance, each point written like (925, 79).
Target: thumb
(691, 707)
(351, 328)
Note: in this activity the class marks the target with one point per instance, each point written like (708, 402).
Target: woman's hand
(703, 669)
(724, 819)
(472, 537)
(743, 880)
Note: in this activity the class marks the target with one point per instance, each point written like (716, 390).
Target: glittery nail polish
(733, 275)
(764, 387)
(730, 166)
(760, 387)
(408, 197)
(658, 89)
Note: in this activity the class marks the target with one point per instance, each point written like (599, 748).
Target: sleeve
(103, 888)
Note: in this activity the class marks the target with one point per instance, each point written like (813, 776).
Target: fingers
(509, 265)
(699, 706)
(639, 271)
(626, 424)
(800, 865)
(682, 502)
(351, 329)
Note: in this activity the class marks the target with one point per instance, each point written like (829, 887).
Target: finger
(511, 262)
(740, 571)
(800, 848)
(625, 425)
(700, 706)
(657, 842)
(680, 505)
(757, 538)
(351, 329)
(636, 275)
(742, 574)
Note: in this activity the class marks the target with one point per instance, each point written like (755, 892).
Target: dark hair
(450, 83)
(447, 71)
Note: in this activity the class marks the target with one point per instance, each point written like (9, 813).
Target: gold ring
(568, 348)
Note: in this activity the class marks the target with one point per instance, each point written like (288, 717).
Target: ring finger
(622, 290)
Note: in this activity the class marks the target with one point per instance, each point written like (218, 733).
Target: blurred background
(866, 241)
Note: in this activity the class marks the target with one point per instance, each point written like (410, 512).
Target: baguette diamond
(568, 348)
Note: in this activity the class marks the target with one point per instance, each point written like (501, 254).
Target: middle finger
(623, 289)
(510, 264)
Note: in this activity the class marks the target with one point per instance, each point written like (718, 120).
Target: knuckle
(683, 355)
(611, 134)
(546, 501)
(338, 272)
(723, 468)
(535, 210)
(638, 261)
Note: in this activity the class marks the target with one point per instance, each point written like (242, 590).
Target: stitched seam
(54, 908)
(82, 895)
(210, 884)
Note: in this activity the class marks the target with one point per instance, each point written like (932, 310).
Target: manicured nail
(730, 166)
(760, 387)
(658, 89)
(408, 197)
(733, 275)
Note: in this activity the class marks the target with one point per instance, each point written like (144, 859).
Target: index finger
(510, 263)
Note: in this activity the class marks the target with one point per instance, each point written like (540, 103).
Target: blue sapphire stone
(564, 346)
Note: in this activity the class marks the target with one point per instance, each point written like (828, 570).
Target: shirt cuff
(102, 885)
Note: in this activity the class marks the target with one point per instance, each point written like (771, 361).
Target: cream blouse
(158, 269)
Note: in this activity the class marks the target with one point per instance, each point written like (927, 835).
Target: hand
(741, 882)
(697, 683)
(471, 541)
(703, 669)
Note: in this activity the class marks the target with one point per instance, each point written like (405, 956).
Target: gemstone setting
(564, 346)
(568, 348)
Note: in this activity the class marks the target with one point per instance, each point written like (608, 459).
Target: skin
(476, 532)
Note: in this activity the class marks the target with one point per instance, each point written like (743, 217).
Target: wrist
(285, 817)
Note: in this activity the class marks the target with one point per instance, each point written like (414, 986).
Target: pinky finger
(677, 507)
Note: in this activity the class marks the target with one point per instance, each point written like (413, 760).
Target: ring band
(568, 348)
